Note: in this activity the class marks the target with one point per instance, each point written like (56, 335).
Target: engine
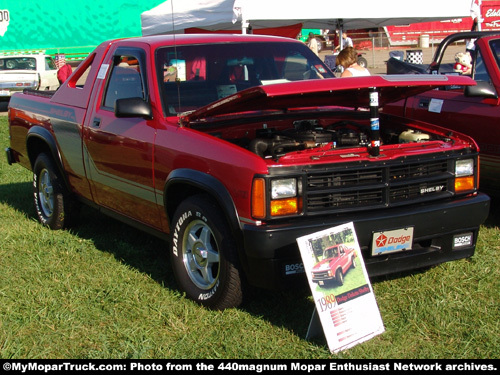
(308, 134)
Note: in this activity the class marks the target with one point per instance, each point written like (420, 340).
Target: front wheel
(204, 254)
(339, 276)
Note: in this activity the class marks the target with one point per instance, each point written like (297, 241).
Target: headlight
(464, 167)
(285, 198)
(286, 188)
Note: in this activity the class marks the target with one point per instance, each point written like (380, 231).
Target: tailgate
(13, 81)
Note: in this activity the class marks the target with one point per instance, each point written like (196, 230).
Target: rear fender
(41, 140)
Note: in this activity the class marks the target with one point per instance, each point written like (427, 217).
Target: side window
(480, 72)
(82, 78)
(125, 81)
(495, 49)
(50, 64)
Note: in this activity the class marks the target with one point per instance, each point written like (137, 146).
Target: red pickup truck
(231, 147)
(337, 260)
(472, 110)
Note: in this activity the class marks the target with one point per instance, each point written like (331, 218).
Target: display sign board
(342, 292)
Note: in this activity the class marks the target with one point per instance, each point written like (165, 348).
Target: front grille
(320, 275)
(405, 171)
(367, 185)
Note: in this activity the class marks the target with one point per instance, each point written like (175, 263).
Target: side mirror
(133, 107)
(482, 90)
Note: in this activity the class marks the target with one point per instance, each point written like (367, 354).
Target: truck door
(119, 150)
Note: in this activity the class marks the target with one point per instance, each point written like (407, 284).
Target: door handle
(96, 123)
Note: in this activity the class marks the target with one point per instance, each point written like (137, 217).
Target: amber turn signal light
(259, 198)
(288, 206)
(463, 184)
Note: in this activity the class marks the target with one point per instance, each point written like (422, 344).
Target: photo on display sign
(342, 292)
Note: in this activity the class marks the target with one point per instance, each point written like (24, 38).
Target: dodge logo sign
(381, 240)
(390, 241)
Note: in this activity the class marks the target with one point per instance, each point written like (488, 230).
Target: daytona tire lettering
(204, 255)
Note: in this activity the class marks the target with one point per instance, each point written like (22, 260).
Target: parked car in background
(472, 110)
(18, 72)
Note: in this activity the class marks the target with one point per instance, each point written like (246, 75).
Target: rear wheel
(53, 202)
(362, 62)
(204, 254)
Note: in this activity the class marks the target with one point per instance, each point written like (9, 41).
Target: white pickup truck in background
(17, 72)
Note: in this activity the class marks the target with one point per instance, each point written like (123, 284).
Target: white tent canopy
(176, 15)
(208, 14)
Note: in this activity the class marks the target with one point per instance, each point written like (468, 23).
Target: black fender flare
(47, 138)
(192, 182)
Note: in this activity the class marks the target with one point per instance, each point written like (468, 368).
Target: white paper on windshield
(436, 105)
(102, 71)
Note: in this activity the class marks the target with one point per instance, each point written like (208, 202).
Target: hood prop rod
(374, 148)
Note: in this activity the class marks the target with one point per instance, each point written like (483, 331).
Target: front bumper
(273, 260)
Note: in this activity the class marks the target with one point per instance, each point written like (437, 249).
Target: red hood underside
(342, 92)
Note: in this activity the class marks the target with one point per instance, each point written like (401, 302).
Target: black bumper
(273, 260)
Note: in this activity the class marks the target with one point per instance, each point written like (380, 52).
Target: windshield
(332, 252)
(21, 63)
(495, 49)
(194, 76)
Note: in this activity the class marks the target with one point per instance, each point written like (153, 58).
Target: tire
(204, 254)
(362, 62)
(353, 262)
(53, 203)
(339, 277)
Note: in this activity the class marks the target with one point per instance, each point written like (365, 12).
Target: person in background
(475, 13)
(347, 58)
(346, 42)
(312, 43)
(336, 41)
(64, 70)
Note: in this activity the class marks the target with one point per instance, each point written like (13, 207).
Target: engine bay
(274, 139)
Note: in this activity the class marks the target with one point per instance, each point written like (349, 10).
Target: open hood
(340, 92)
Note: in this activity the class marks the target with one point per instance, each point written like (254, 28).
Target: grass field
(104, 290)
